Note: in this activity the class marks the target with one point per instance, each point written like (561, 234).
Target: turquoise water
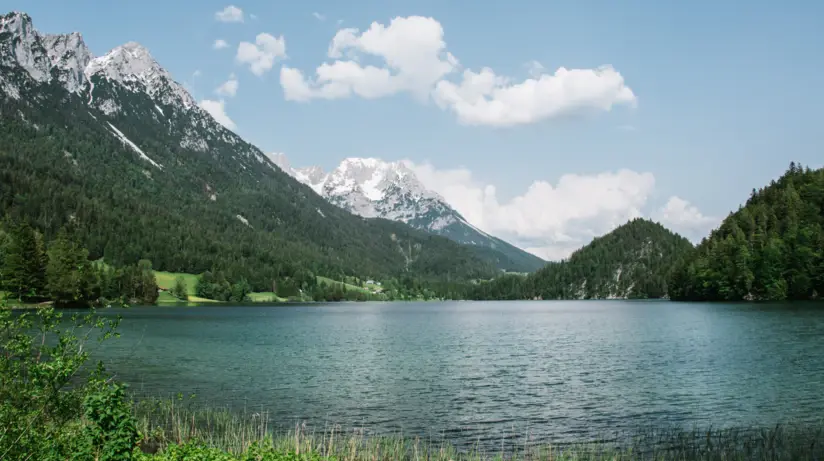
(485, 370)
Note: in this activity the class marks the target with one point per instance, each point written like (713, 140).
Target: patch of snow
(69, 57)
(213, 197)
(9, 89)
(25, 48)
(441, 222)
(108, 106)
(70, 157)
(131, 64)
(126, 140)
(320, 212)
(193, 142)
(243, 220)
(159, 109)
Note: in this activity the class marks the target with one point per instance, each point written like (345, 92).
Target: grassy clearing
(265, 297)
(348, 286)
(166, 298)
(168, 422)
(166, 280)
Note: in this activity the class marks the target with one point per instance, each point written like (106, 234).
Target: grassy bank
(167, 424)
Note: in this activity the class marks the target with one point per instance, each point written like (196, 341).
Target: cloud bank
(552, 220)
(413, 58)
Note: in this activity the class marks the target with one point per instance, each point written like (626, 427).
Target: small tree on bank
(180, 290)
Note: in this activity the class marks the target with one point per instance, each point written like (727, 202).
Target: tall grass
(165, 422)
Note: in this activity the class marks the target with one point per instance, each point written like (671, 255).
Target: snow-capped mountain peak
(133, 66)
(373, 188)
(127, 80)
(25, 47)
(69, 57)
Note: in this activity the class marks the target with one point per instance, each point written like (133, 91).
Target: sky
(544, 123)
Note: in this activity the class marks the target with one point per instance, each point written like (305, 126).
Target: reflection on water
(480, 371)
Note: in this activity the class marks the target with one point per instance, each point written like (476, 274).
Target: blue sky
(726, 94)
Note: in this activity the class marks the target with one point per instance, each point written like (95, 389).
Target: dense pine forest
(772, 248)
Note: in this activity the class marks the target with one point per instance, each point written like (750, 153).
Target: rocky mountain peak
(69, 56)
(373, 188)
(21, 44)
(133, 66)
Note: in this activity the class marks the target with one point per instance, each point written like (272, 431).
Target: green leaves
(42, 390)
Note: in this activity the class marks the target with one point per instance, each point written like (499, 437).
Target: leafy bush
(52, 406)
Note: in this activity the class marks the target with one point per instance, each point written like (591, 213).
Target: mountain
(115, 148)
(632, 261)
(772, 248)
(373, 188)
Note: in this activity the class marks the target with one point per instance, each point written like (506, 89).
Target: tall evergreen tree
(69, 274)
(23, 273)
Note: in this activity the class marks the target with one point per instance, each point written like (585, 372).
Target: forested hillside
(632, 261)
(772, 248)
(123, 153)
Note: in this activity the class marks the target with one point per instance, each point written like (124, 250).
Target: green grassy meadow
(166, 280)
(348, 286)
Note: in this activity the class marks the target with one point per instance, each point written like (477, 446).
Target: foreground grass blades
(174, 426)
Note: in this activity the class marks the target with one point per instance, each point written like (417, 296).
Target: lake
(481, 371)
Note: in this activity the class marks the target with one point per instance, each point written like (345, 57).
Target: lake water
(486, 370)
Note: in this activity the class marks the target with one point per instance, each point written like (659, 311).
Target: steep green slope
(772, 248)
(507, 257)
(145, 173)
(632, 261)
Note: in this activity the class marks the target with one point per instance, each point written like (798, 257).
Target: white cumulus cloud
(261, 55)
(484, 98)
(220, 44)
(549, 220)
(412, 50)
(217, 109)
(684, 218)
(319, 16)
(229, 87)
(230, 14)
(412, 57)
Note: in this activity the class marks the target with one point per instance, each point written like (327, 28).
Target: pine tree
(69, 274)
(147, 290)
(24, 267)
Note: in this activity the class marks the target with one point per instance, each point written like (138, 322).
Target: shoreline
(168, 423)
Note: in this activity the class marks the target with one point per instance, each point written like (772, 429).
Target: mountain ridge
(632, 261)
(125, 155)
(371, 187)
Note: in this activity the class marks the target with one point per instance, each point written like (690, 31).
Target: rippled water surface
(483, 370)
